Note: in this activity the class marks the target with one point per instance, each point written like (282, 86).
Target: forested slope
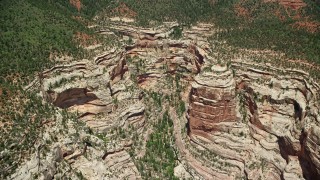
(32, 31)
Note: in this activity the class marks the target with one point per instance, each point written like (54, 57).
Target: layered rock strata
(243, 120)
(276, 121)
(212, 101)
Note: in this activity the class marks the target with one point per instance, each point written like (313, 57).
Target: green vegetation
(184, 11)
(31, 32)
(181, 108)
(177, 33)
(243, 110)
(19, 135)
(157, 99)
(261, 28)
(160, 157)
(244, 24)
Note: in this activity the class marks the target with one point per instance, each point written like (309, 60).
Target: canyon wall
(243, 119)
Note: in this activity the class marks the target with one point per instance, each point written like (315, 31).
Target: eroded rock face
(212, 101)
(277, 114)
(71, 97)
(243, 120)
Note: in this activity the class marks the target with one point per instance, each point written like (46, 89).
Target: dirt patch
(124, 10)
(79, 18)
(241, 11)
(310, 26)
(293, 4)
(294, 9)
(76, 4)
(280, 15)
(85, 39)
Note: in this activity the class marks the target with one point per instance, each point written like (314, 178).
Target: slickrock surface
(243, 120)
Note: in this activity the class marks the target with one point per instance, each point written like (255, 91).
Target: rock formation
(212, 101)
(244, 119)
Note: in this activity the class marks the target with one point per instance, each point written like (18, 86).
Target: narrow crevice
(297, 110)
(308, 168)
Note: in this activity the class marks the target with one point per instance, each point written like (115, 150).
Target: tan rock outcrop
(244, 120)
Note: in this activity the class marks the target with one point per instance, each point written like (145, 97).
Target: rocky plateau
(242, 119)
